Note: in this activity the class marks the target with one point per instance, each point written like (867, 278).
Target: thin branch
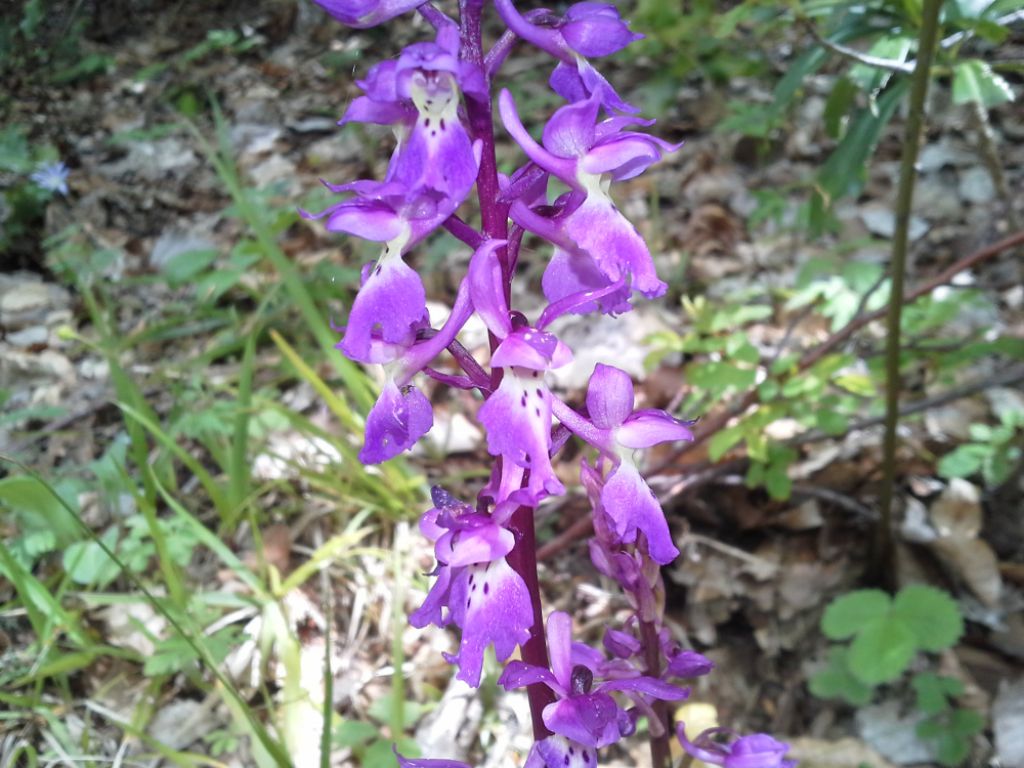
(1009, 376)
(889, 65)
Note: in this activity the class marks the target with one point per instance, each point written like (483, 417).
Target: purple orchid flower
(367, 13)
(617, 430)
(584, 713)
(517, 415)
(391, 304)
(758, 750)
(587, 30)
(595, 244)
(419, 93)
(476, 589)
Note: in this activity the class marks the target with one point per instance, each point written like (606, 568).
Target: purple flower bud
(621, 644)
(687, 664)
(587, 29)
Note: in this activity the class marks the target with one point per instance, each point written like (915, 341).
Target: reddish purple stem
(494, 219)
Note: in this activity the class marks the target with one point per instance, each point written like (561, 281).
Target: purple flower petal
(559, 752)
(367, 13)
(569, 133)
(559, 637)
(396, 421)
(609, 396)
(491, 605)
(650, 427)
(580, 81)
(479, 545)
(651, 686)
(390, 306)
(601, 231)
(487, 288)
(625, 156)
(438, 598)
(518, 674)
(561, 167)
(633, 507)
(589, 719)
(567, 275)
(529, 348)
(517, 417)
(438, 155)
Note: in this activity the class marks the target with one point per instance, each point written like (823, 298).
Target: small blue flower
(52, 177)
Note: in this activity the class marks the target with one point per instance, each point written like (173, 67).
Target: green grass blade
(239, 475)
(211, 486)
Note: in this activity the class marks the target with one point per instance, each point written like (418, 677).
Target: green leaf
(934, 691)
(768, 390)
(184, 266)
(873, 79)
(86, 562)
(930, 614)
(845, 168)
(36, 508)
(837, 105)
(354, 733)
(857, 383)
(832, 423)
(974, 80)
(881, 651)
(723, 440)
(848, 614)
(967, 722)
(379, 755)
(964, 461)
(836, 682)
(777, 482)
(807, 64)
(720, 376)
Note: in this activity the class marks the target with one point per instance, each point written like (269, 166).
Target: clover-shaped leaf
(934, 691)
(931, 614)
(837, 682)
(881, 651)
(848, 615)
